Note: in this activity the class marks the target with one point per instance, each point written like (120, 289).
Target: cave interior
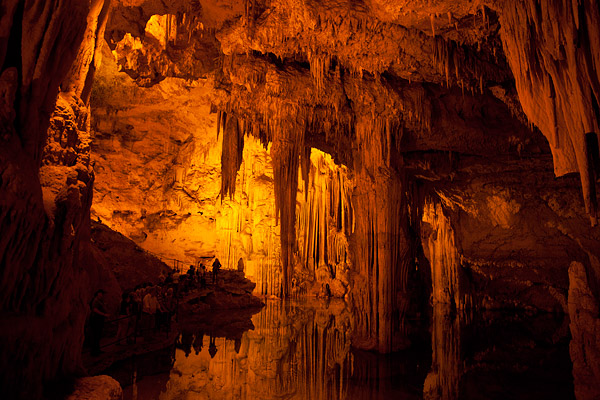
(411, 155)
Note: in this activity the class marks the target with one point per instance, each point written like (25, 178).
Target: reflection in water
(294, 352)
(301, 350)
(446, 366)
(497, 355)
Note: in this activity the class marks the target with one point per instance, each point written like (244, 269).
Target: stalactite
(319, 68)
(551, 48)
(288, 144)
(449, 285)
(231, 155)
(323, 217)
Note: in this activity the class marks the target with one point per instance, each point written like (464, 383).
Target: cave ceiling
(436, 69)
(428, 75)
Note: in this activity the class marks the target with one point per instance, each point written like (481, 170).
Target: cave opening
(299, 199)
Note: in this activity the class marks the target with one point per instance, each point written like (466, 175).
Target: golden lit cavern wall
(319, 74)
(324, 222)
(45, 189)
(367, 118)
(552, 48)
(158, 164)
(246, 222)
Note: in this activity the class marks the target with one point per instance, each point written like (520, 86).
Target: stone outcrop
(99, 387)
(121, 257)
(45, 189)
(552, 51)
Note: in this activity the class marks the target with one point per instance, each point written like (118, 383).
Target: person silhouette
(97, 317)
(216, 267)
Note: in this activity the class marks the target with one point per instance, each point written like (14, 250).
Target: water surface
(302, 350)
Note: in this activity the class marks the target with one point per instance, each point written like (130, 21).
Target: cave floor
(302, 349)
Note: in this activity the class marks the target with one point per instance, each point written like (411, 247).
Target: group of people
(143, 311)
(147, 308)
(194, 277)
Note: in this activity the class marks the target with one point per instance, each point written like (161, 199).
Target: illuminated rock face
(325, 220)
(158, 168)
(552, 52)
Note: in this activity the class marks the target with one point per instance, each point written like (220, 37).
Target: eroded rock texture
(45, 188)
(100, 387)
(501, 236)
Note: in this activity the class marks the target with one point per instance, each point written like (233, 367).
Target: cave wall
(45, 189)
(365, 82)
(503, 236)
(158, 162)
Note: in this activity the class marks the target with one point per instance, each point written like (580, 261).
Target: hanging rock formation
(552, 49)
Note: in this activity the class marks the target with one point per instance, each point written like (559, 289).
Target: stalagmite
(447, 274)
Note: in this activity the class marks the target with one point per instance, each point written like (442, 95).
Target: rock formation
(46, 187)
